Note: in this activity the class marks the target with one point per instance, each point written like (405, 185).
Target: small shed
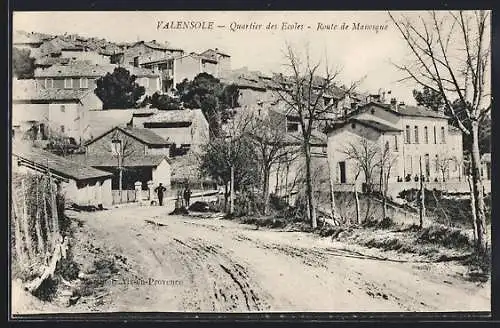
(81, 184)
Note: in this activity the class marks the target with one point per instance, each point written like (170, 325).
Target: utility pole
(231, 194)
(422, 197)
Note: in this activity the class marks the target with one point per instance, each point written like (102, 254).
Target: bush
(247, 203)
(448, 237)
(278, 203)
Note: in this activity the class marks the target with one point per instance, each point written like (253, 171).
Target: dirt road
(190, 264)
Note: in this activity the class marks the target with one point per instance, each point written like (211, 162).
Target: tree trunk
(231, 195)
(473, 207)
(26, 227)
(55, 216)
(38, 228)
(226, 196)
(356, 197)
(309, 187)
(478, 199)
(422, 197)
(265, 190)
(332, 192)
(48, 234)
(382, 189)
(120, 182)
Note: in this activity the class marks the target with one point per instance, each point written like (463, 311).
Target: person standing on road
(159, 191)
(187, 195)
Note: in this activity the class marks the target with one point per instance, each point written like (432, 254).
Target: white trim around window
(84, 83)
(68, 83)
(49, 83)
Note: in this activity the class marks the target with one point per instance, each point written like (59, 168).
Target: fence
(37, 216)
(125, 196)
(396, 187)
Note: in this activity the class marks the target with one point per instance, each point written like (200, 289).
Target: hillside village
(365, 148)
(60, 98)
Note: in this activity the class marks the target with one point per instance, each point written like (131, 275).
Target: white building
(412, 134)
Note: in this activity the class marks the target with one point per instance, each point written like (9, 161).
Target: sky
(360, 54)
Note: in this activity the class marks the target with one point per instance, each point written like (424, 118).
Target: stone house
(148, 49)
(58, 111)
(176, 68)
(186, 129)
(81, 184)
(83, 75)
(143, 154)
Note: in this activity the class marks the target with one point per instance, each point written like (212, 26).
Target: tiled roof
(49, 95)
(146, 136)
(155, 45)
(79, 69)
(25, 38)
(58, 165)
(405, 110)
(75, 69)
(213, 53)
(376, 125)
(154, 57)
(49, 61)
(381, 127)
(108, 160)
(173, 116)
(101, 121)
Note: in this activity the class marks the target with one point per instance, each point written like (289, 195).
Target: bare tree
(387, 159)
(451, 56)
(365, 155)
(303, 93)
(443, 163)
(270, 147)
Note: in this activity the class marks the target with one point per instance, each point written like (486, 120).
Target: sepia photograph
(250, 162)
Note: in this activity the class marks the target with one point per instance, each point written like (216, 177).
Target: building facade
(61, 112)
(83, 75)
(80, 184)
(420, 142)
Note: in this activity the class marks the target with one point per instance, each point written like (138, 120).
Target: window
(62, 128)
(68, 83)
(408, 140)
(437, 163)
(427, 166)
(395, 143)
(416, 134)
(49, 83)
(435, 136)
(292, 127)
(426, 135)
(116, 146)
(84, 83)
(408, 165)
(443, 135)
(63, 108)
